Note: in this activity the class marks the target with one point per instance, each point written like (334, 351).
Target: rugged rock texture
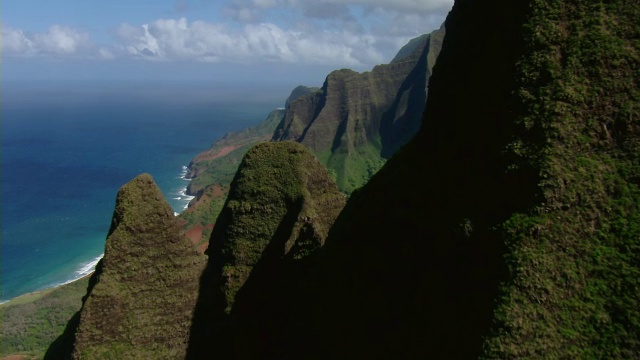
(393, 95)
(279, 210)
(212, 171)
(357, 120)
(141, 297)
(298, 92)
(509, 227)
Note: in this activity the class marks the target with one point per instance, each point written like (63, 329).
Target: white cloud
(57, 41)
(404, 6)
(170, 39)
(61, 40)
(16, 42)
(349, 33)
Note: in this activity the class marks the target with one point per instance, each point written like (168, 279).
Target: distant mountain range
(352, 124)
(507, 227)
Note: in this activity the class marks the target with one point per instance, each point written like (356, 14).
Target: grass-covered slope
(574, 259)
(357, 120)
(279, 210)
(510, 226)
(352, 125)
(141, 297)
(30, 323)
(213, 170)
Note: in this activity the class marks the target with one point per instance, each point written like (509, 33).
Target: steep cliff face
(212, 171)
(141, 297)
(358, 119)
(279, 210)
(385, 105)
(508, 227)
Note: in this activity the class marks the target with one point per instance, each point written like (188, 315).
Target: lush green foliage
(143, 292)
(273, 181)
(31, 322)
(280, 207)
(574, 259)
(215, 173)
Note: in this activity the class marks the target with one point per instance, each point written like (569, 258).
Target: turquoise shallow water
(66, 150)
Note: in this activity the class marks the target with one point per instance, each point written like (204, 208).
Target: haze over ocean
(68, 147)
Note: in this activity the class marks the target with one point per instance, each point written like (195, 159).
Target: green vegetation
(141, 297)
(574, 259)
(211, 168)
(214, 170)
(276, 181)
(280, 207)
(352, 169)
(33, 321)
(510, 226)
(358, 120)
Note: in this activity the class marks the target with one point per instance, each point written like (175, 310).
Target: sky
(222, 40)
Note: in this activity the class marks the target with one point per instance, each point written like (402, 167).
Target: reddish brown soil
(17, 357)
(224, 151)
(217, 191)
(194, 234)
(203, 247)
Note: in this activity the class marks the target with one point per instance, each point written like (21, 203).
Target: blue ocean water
(67, 148)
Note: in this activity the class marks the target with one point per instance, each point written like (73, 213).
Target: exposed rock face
(212, 171)
(298, 92)
(358, 120)
(141, 297)
(280, 207)
(390, 106)
(508, 228)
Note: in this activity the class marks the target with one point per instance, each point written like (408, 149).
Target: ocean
(66, 149)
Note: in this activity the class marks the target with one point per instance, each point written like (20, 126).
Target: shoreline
(38, 294)
(183, 193)
(87, 268)
(83, 270)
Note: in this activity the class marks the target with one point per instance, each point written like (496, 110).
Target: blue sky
(226, 40)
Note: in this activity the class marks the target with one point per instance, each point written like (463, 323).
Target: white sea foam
(83, 270)
(88, 267)
(183, 174)
(181, 194)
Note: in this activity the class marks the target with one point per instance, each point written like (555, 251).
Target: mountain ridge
(398, 118)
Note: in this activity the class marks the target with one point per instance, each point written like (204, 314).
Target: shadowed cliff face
(280, 207)
(142, 295)
(212, 171)
(359, 119)
(381, 110)
(508, 227)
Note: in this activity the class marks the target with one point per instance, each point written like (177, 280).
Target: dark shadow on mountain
(395, 132)
(413, 265)
(62, 347)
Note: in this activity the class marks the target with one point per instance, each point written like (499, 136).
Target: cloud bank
(165, 40)
(322, 32)
(58, 41)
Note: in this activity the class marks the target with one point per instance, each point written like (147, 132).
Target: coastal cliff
(357, 120)
(508, 227)
(385, 110)
(280, 207)
(140, 299)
